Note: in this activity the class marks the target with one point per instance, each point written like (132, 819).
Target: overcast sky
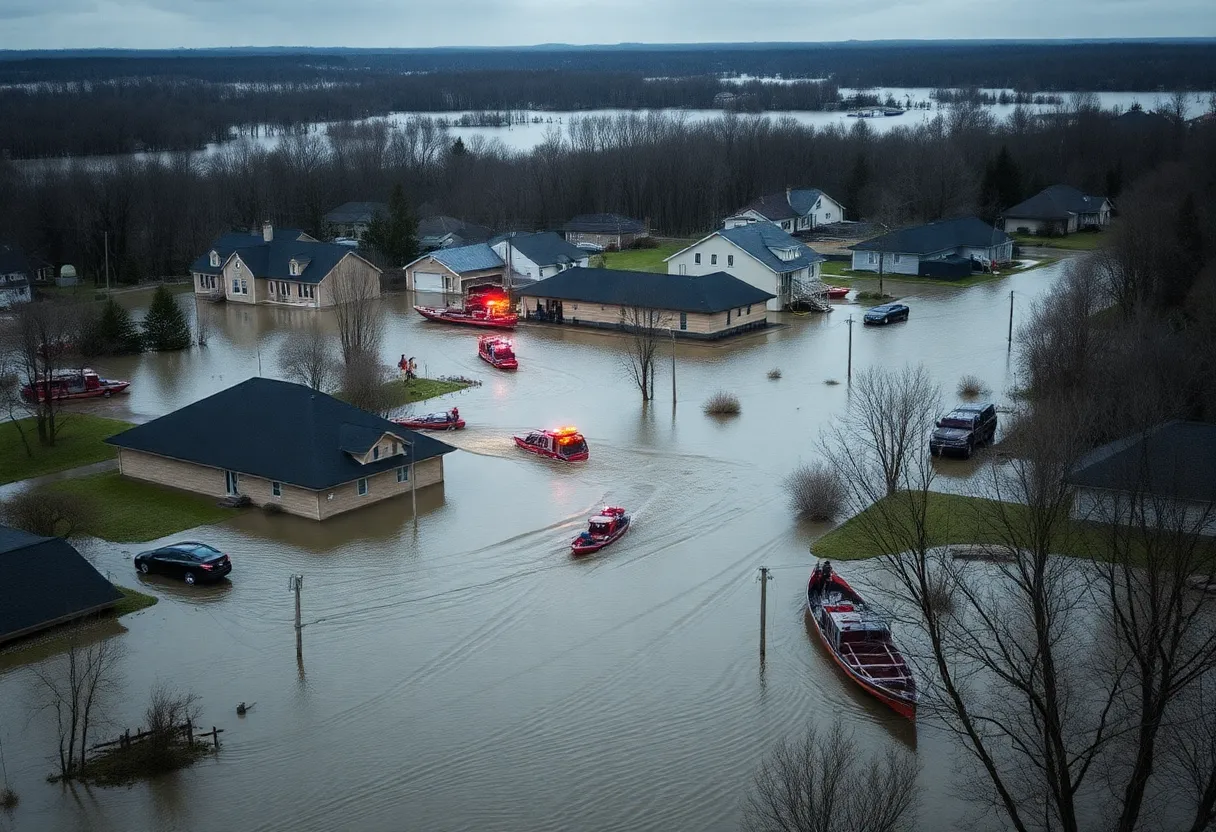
(51, 24)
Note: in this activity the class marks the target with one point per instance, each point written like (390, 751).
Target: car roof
(975, 407)
(186, 546)
(887, 307)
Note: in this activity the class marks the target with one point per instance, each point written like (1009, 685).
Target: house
(16, 276)
(536, 256)
(1060, 209)
(760, 254)
(606, 230)
(712, 305)
(455, 270)
(281, 444)
(946, 248)
(351, 219)
(45, 582)
(1169, 472)
(287, 268)
(447, 232)
(798, 209)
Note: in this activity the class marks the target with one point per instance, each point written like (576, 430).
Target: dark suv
(963, 429)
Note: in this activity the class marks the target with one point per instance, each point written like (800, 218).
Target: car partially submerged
(189, 560)
(964, 429)
(887, 313)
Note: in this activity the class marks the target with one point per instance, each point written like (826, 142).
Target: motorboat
(488, 318)
(838, 292)
(497, 352)
(565, 444)
(72, 384)
(445, 420)
(858, 639)
(604, 528)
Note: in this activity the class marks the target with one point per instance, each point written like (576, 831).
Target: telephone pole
(849, 377)
(673, 368)
(295, 583)
(1011, 318)
(413, 487)
(107, 239)
(764, 579)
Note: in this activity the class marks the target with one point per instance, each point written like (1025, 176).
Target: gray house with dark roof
(456, 270)
(284, 267)
(283, 444)
(605, 230)
(760, 254)
(351, 219)
(439, 231)
(712, 305)
(535, 256)
(1060, 209)
(16, 275)
(798, 209)
(45, 582)
(946, 248)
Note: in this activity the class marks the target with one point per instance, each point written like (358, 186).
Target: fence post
(127, 739)
(189, 730)
(215, 733)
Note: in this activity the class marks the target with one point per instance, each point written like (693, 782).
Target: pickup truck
(963, 429)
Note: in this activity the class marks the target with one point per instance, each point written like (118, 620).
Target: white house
(759, 254)
(1060, 209)
(946, 248)
(536, 256)
(798, 209)
(15, 275)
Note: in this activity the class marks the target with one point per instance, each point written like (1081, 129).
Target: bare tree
(816, 492)
(357, 310)
(47, 513)
(823, 783)
(77, 686)
(202, 323)
(44, 332)
(168, 710)
(647, 328)
(15, 408)
(363, 383)
(307, 357)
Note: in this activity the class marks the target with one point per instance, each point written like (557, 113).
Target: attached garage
(428, 282)
(454, 270)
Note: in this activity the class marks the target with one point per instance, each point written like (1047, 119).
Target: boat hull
(418, 425)
(837, 292)
(432, 313)
(500, 364)
(548, 454)
(579, 547)
(102, 392)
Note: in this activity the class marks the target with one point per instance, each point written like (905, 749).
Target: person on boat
(455, 414)
(826, 572)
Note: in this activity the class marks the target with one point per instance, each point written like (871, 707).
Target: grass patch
(1080, 241)
(407, 391)
(130, 511)
(145, 760)
(132, 601)
(840, 268)
(79, 442)
(643, 259)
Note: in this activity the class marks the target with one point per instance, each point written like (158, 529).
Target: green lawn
(1081, 241)
(129, 511)
(79, 442)
(403, 392)
(643, 259)
(132, 601)
(834, 271)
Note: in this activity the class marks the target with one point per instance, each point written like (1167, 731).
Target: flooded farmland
(462, 671)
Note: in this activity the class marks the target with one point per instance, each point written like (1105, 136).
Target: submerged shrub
(722, 403)
(816, 492)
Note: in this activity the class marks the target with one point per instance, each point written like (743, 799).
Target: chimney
(267, 231)
(788, 189)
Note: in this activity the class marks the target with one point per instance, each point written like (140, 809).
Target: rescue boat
(447, 420)
(604, 528)
(72, 384)
(565, 444)
(837, 292)
(487, 309)
(497, 352)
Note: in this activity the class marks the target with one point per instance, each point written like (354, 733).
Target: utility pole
(107, 239)
(673, 368)
(1011, 318)
(882, 256)
(764, 579)
(295, 584)
(849, 377)
(413, 487)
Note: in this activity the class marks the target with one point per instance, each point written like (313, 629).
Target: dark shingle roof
(355, 212)
(287, 432)
(1176, 460)
(440, 226)
(272, 260)
(604, 224)
(773, 206)
(762, 241)
(44, 581)
(708, 293)
(13, 260)
(937, 236)
(544, 248)
(1057, 203)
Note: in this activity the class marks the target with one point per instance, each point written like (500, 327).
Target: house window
(730, 260)
(306, 290)
(276, 489)
(396, 447)
(236, 285)
(215, 259)
(361, 487)
(713, 259)
(684, 268)
(294, 267)
(728, 317)
(696, 258)
(749, 309)
(897, 258)
(244, 286)
(828, 215)
(231, 483)
(683, 320)
(873, 259)
(403, 474)
(376, 452)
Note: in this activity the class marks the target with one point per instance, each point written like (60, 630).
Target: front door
(230, 483)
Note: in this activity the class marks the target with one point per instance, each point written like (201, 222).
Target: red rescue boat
(838, 292)
(565, 444)
(606, 527)
(447, 420)
(497, 352)
(859, 640)
(476, 317)
(72, 384)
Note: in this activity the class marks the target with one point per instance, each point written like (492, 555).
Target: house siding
(349, 268)
(235, 269)
(1096, 505)
(606, 239)
(746, 268)
(908, 263)
(454, 282)
(380, 486)
(610, 316)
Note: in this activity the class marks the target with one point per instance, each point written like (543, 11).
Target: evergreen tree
(112, 332)
(165, 326)
(1001, 186)
(394, 235)
(458, 148)
(859, 178)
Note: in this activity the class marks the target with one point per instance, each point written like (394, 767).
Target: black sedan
(886, 313)
(190, 561)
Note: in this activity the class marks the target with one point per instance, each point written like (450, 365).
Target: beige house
(285, 268)
(455, 270)
(706, 306)
(339, 458)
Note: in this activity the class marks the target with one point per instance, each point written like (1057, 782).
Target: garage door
(428, 282)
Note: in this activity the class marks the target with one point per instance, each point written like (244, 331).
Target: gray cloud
(48, 24)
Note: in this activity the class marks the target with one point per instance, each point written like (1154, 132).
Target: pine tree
(1001, 187)
(165, 326)
(395, 234)
(112, 332)
(458, 148)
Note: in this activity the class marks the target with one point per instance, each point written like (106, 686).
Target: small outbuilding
(455, 270)
(45, 582)
(606, 230)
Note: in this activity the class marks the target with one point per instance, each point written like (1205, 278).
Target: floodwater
(463, 672)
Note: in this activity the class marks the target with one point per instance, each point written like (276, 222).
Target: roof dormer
(215, 259)
(297, 266)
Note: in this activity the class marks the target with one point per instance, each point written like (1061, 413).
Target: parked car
(887, 313)
(964, 429)
(190, 561)
(594, 247)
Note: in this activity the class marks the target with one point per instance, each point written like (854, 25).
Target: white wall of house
(717, 254)
(745, 218)
(826, 210)
(13, 293)
(1098, 505)
(1001, 254)
(523, 265)
(1023, 225)
(892, 262)
(239, 283)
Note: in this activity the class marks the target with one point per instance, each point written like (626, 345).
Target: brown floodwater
(464, 672)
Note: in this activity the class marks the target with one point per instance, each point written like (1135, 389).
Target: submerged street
(463, 671)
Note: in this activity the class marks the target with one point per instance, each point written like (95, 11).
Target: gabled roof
(356, 212)
(544, 248)
(273, 259)
(604, 224)
(762, 241)
(439, 226)
(708, 293)
(282, 431)
(462, 259)
(13, 260)
(799, 202)
(1058, 202)
(1176, 460)
(44, 581)
(971, 232)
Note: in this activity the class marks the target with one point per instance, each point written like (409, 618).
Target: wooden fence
(187, 729)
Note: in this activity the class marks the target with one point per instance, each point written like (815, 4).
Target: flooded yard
(463, 672)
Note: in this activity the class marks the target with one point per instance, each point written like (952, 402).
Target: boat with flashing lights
(497, 352)
(604, 528)
(72, 384)
(489, 309)
(565, 444)
(446, 420)
(837, 292)
(859, 641)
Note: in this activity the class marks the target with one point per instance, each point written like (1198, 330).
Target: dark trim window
(696, 258)
(749, 309)
(403, 474)
(361, 487)
(713, 259)
(683, 320)
(376, 452)
(730, 260)
(728, 311)
(276, 488)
